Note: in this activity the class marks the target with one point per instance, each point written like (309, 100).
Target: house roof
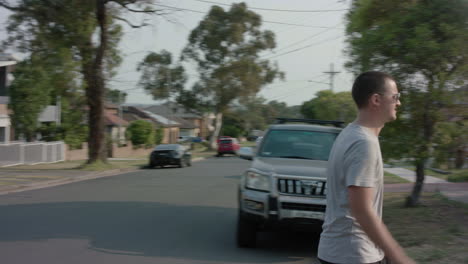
(7, 60)
(113, 120)
(132, 113)
(172, 109)
(161, 119)
(7, 63)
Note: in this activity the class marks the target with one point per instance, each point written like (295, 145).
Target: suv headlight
(257, 181)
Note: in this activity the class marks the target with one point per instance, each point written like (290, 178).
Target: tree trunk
(95, 92)
(460, 157)
(413, 199)
(218, 125)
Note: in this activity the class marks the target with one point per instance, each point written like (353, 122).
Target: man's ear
(374, 100)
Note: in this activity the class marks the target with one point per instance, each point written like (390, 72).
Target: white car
(285, 185)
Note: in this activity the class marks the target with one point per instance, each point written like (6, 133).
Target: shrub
(461, 176)
(141, 132)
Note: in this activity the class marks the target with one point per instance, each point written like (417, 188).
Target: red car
(227, 145)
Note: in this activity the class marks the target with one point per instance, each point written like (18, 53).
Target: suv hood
(293, 167)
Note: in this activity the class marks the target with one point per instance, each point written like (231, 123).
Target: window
(298, 144)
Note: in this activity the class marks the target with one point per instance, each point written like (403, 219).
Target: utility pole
(332, 75)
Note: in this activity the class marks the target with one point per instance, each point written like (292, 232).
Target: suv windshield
(297, 144)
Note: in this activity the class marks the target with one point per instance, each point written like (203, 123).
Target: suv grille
(302, 187)
(304, 207)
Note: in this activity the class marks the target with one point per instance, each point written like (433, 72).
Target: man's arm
(360, 201)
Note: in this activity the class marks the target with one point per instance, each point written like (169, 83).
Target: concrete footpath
(16, 180)
(453, 191)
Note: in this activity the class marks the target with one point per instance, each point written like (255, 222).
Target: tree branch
(125, 5)
(144, 24)
(4, 4)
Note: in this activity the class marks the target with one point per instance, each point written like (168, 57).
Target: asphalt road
(162, 216)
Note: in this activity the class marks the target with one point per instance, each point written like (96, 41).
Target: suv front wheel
(246, 232)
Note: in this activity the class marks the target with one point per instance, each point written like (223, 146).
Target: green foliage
(76, 136)
(86, 32)
(115, 96)
(159, 77)
(227, 56)
(29, 95)
(257, 113)
(408, 36)
(225, 46)
(51, 132)
(232, 125)
(158, 135)
(231, 130)
(450, 139)
(423, 45)
(141, 132)
(328, 105)
(461, 176)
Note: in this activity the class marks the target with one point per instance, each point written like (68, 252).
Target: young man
(353, 231)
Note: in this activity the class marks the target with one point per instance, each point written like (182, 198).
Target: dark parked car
(170, 154)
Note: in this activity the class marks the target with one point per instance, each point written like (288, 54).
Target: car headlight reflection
(257, 181)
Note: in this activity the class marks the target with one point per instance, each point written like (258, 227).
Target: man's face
(390, 101)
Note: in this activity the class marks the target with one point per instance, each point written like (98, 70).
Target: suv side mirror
(246, 153)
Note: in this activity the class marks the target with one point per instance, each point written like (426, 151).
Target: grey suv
(286, 182)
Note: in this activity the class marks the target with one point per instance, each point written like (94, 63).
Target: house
(193, 124)
(171, 128)
(115, 125)
(7, 63)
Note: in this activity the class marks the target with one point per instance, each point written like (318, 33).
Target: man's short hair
(367, 84)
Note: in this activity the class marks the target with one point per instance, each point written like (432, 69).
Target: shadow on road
(150, 229)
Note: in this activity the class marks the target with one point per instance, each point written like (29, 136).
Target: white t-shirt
(355, 160)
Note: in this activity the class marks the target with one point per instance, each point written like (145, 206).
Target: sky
(307, 44)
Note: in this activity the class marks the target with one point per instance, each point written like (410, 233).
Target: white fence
(16, 153)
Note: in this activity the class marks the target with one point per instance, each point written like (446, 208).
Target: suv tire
(246, 232)
(182, 163)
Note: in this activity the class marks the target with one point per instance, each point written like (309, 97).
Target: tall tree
(226, 46)
(115, 96)
(88, 29)
(28, 103)
(161, 77)
(423, 44)
(328, 105)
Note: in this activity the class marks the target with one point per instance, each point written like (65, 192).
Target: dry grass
(435, 232)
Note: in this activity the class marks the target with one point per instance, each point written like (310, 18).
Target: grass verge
(460, 176)
(435, 232)
(390, 178)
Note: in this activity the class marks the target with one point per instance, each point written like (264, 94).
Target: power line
(308, 38)
(265, 21)
(287, 94)
(278, 10)
(284, 95)
(292, 24)
(308, 46)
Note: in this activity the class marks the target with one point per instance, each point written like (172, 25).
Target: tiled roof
(172, 109)
(113, 120)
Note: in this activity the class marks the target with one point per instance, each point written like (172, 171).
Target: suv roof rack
(283, 120)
